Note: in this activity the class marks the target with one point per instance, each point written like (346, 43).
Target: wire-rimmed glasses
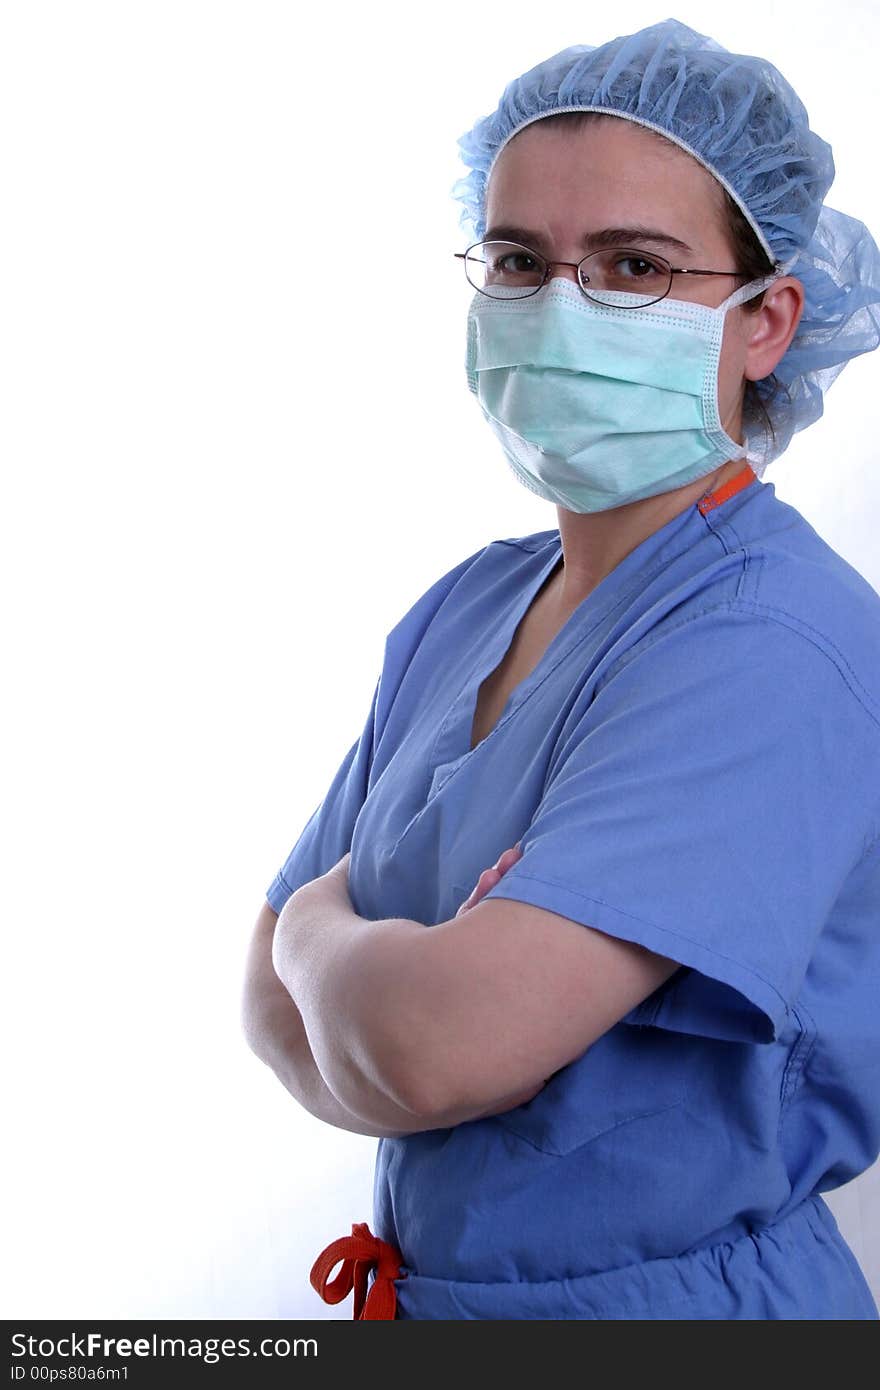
(509, 270)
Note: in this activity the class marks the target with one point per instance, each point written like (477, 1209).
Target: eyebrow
(593, 241)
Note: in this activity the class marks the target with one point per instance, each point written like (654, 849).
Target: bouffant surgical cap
(739, 117)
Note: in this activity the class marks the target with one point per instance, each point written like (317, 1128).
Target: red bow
(359, 1252)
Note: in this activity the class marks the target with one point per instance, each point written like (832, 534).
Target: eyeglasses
(507, 270)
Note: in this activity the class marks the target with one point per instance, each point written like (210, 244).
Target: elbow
(455, 1107)
(386, 1070)
(415, 1079)
(425, 1086)
(448, 1084)
(367, 1071)
(412, 1095)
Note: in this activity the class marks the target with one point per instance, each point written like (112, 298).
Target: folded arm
(465, 1018)
(274, 1030)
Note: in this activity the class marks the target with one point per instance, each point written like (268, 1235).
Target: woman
(615, 1085)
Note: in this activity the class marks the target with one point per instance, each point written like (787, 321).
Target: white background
(238, 446)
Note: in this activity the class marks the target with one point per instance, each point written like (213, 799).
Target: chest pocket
(630, 1073)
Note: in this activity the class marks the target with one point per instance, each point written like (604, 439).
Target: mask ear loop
(753, 288)
(749, 291)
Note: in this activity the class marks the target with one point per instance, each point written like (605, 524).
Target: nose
(563, 270)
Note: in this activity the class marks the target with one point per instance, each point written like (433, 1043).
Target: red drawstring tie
(359, 1252)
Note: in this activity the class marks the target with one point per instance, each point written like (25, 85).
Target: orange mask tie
(742, 479)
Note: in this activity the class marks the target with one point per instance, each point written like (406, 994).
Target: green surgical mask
(597, 405)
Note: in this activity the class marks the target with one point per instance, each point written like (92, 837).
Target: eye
(511, 266)
(636, 268)
(515, 263)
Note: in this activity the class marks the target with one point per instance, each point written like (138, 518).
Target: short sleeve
(328, 833)
(709, 804)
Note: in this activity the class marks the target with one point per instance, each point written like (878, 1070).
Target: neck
(594, 543)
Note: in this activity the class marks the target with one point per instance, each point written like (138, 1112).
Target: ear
(772, 328)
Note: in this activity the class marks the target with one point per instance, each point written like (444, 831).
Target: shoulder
(776, 596)
(503, 553)
(760, 658)
(536, 540)
(798, 582)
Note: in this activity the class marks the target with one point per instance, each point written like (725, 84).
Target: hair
(749, 256)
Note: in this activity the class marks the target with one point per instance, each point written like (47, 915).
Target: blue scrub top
(693, 765)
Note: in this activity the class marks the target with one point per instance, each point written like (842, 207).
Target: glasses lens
(626, 279)
(504, 270)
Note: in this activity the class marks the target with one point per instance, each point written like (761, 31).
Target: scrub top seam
(751, 608)
(515, 873)
(279, 878)
(822, 644)
(872, 845)
(795, 1067)
(754, 561)
(659, 1260)
(521, 542)
(753, 565)
(723, 528)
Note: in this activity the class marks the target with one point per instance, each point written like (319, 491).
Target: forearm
(367, 1006)
(298, 1072)
(346, 1038)
(274, 1030)
(292, 1062)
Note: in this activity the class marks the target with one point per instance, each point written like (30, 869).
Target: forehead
(611, 168)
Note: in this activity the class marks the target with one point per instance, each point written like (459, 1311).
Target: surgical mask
(597, 405)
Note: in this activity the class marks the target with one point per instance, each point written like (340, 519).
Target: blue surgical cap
(739, 117)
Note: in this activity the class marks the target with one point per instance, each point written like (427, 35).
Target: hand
(489, 877)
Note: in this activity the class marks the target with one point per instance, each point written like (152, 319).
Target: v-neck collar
(452, 745)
